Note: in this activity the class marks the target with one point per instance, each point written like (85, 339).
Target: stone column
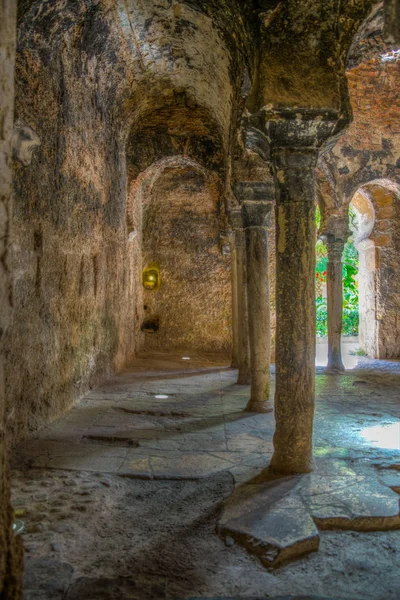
(234, 288)
(243, 351)
(10, 547)
(243, 323)
(256, 216)
(295, 136)
(335, 247)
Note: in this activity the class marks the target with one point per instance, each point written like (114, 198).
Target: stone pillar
(10, 547)
(243, 355)
(256, 216)
(335, 247)
(367, 282)
(392, 21)
(234, 288)
(295, 137)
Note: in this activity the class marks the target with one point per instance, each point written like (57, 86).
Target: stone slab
(270, 521)
(247, 442)
(194, 465)
(102, 464)
(49, 448)
(275, 534)
(356, 502)
(136, 466)
(390, 476)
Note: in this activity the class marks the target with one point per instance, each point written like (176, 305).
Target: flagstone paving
(165, 421)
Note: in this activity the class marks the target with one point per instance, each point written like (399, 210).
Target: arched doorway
(362, 225)
(335, 246)
(179, 234)
(377, 241)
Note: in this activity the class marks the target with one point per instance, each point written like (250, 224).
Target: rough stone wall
(10, 548)
(367, 157)
(303, 47)
(181, 233)
(379, 279)
(98, 82)
(72, 311)
(88, 73)
(370, 147)
(392, 21)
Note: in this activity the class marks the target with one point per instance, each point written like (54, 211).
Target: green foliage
(350, 288)
(358, 352)
(351, 320)
(321, 321)
(321, 257)
(317, 217)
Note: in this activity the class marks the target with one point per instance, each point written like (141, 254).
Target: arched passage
(376, 237)
(179, 230)
(363, 225)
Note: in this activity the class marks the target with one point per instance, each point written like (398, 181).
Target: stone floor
(154, 486)
(350, 348)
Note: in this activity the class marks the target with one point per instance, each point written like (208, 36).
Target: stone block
(270, 522)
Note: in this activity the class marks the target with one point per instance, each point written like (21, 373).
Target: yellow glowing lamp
(151, 277)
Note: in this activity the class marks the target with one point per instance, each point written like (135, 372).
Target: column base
(334, 370)
(243, 379)
(265, 406)
(282, 465)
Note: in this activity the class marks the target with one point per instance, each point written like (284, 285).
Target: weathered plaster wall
(303, 47)
(379, 281)
(182, 224)
(10, 548)
(72, 311)
(370, 147)
(174, 43)
(367, 158)
(88, 74)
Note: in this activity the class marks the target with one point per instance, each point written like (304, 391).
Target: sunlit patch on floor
(384, 436)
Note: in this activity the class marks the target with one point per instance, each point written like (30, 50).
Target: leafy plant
(358, 352)
(322, 314)
(350, 286)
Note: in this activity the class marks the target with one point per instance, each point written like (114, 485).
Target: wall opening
(350, 303)
(182, 222)
(362, 219)
(376, 238)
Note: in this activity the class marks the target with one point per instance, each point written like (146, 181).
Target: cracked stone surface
(130, 488)
(270, 522)
(278, 521)
(351, 502)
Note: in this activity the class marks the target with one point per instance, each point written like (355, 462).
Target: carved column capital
(299, 129)
(335, 235)
(261, 191)
(256, 214)
(335, 249)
